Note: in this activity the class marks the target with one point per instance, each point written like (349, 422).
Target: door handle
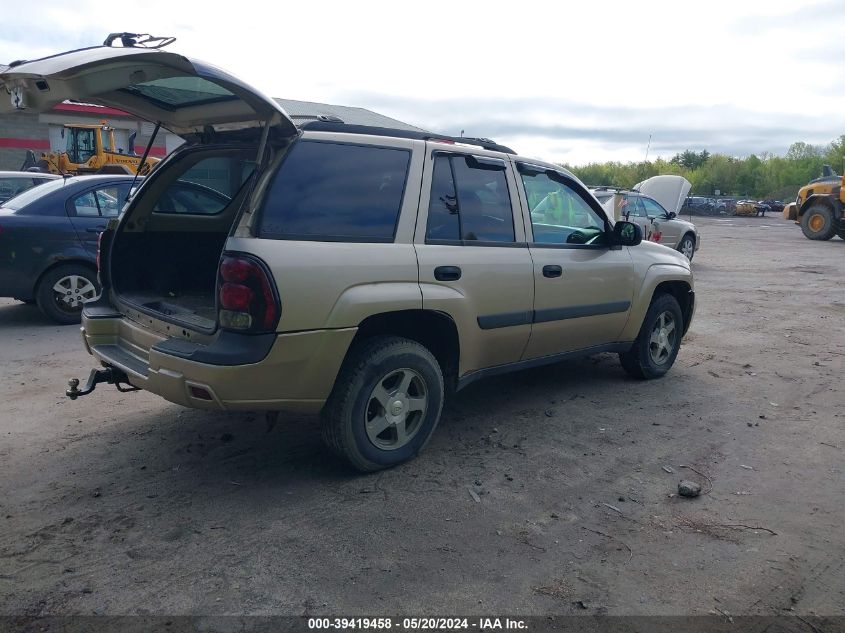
(447, 273)
(552, 270)
(96, 229)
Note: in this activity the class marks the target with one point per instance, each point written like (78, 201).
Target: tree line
(759, 177)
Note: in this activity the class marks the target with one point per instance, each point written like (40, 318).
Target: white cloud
(721, 75)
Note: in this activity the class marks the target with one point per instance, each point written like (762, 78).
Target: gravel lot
(126, 504)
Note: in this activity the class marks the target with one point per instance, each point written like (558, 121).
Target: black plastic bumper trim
(230, 348)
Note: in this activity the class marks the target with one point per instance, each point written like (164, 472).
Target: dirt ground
(542, 492)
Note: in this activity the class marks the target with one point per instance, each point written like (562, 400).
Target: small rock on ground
(689, 488)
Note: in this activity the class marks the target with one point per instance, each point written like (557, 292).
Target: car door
(635, 212)
(583, 286)
(473, 259)
(90, 210)
(666, 231)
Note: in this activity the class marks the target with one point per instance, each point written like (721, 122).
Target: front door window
(558, 214)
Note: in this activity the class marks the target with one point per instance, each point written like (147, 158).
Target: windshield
(31, 195)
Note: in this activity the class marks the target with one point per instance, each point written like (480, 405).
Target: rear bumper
(296, 374)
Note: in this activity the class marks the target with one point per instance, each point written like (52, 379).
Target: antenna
(648, 147)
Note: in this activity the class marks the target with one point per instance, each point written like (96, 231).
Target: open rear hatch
(166, 250)
(187, 96)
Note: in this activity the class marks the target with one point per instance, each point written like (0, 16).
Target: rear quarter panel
(29, 245)
(325, 284)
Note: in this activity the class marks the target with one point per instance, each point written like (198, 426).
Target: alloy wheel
(395, 409)
(663, 339)
(72, 291)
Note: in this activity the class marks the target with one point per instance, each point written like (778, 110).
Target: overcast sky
(567, 82)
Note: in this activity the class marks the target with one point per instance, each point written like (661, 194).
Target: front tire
(656, 348)
(818, 223)
(687, 246)
(385, 404)
(62, 291)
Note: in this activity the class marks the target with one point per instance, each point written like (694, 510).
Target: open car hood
(669, 191)
(186, 96)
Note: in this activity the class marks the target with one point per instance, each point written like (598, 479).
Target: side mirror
(627, 234)
(672, 215)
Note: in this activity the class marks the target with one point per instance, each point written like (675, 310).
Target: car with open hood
(355, 272)
(655, 204)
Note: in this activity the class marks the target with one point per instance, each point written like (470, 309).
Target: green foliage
(758, 177)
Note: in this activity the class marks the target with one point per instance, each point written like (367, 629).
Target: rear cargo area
(165, 254)
(172, 273)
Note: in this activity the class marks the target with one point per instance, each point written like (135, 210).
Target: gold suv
(359, 273)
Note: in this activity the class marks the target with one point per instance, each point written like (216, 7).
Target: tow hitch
(109, 375)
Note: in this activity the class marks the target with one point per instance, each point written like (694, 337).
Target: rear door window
(634, 207)
(85, 206)
(104, 202)
(470, 201)
(111, 199)
(336, 192)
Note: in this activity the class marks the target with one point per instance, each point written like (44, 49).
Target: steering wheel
(576, 237)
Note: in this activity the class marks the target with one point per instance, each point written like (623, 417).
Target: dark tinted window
(477, 209)
(443, 223)
(180, 92)
(335, 191)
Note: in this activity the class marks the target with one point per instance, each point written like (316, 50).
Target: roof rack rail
(335, 126)
(609, 188)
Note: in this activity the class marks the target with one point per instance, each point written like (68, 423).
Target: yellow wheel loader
(819, 207)
(90, 149)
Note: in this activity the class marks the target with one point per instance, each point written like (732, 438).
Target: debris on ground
(668, 469)
(474, 495)
(689, 488)
(746, 467)
(557, 589)
(700, 474)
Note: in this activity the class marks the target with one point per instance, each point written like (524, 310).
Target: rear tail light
(246, 296)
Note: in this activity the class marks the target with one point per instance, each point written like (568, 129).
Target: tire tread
(333, 426)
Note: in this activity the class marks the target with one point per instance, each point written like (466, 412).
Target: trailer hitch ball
(73, 392)
(107, 375)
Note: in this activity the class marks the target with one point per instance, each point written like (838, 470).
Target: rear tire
(818, 223)
(656, 348)
(62, 291)
(385, 404)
